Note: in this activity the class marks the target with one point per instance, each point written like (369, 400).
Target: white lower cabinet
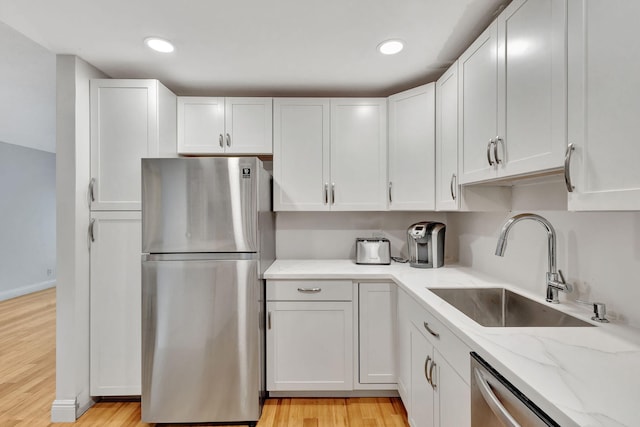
(403, 349)
(453, 394)
(422, 393)
(309, 335)
(115, 306)
(376, 317)
(436, 382)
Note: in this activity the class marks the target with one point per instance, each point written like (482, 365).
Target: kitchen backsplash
(597, 251)
(332, 235)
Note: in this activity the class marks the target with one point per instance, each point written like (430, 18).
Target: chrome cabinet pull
(91, 226)
(433, 384)
(453, 179)
(567, 168)
(494, 403)
(431, 331)
(489, 152)
(333, 193)
(390, 198)
(309, 290)
(269, 320)
(495, 149)
(228, 140)
(326, 193)
(221, 140)
(92, 197)
(426, 369)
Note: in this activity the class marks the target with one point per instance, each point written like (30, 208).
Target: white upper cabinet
(210, 125)
(301, 129)
(447, 188)
(532, 118)
(604, 105)
(478, 106)
(330, 154)
(412, 149)
(201, 125)
(513, 94)
(130, 119)
(358, 154)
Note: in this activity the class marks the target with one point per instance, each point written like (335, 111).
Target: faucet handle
(599, 310)
(568, 286)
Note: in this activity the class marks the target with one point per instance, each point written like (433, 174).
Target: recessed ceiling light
(159, 45)
(390, 47)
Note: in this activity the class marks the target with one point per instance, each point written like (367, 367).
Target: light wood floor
(27, 383)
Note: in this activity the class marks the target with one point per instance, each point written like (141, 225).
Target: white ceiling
(259, 47)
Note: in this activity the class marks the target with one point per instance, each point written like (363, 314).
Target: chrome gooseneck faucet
(555, 279)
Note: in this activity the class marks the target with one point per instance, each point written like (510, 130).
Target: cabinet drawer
(309, 290)
(448, 345)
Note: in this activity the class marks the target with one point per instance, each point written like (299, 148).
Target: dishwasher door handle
(494, 403)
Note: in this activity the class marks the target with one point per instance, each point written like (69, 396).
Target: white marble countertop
(579, 376)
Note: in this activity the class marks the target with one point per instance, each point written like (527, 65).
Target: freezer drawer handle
(309, 290)
(493, 402)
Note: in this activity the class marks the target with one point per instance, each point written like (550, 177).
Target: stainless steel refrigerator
(207, 237)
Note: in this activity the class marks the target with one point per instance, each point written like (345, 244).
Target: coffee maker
(425, 243)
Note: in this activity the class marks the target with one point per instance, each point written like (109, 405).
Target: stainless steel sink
(499, 307)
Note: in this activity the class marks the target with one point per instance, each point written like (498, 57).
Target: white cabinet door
(532, 86)
(478, 107)
(124, 129)
(447, 188)
(210, 125)
(453, 397)
(309, 346)
(422, 394)
(358, 154)
(377, 308)
(403, 349)
(301, 154)
(412, 149)
(248, 125)
(115, 305)
(604, 105)
(201, 125)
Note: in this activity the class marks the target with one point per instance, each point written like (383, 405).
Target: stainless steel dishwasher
(495, 402)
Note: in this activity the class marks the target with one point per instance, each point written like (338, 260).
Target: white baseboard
(63, 411)
(23, 290)
(84, 406)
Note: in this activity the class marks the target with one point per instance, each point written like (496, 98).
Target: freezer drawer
(202, 341)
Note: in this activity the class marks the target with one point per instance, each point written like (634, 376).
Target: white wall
(27, 220)
(332, 235)
(72, 179)
(27, 165)
(28, 88)
(598, 251)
